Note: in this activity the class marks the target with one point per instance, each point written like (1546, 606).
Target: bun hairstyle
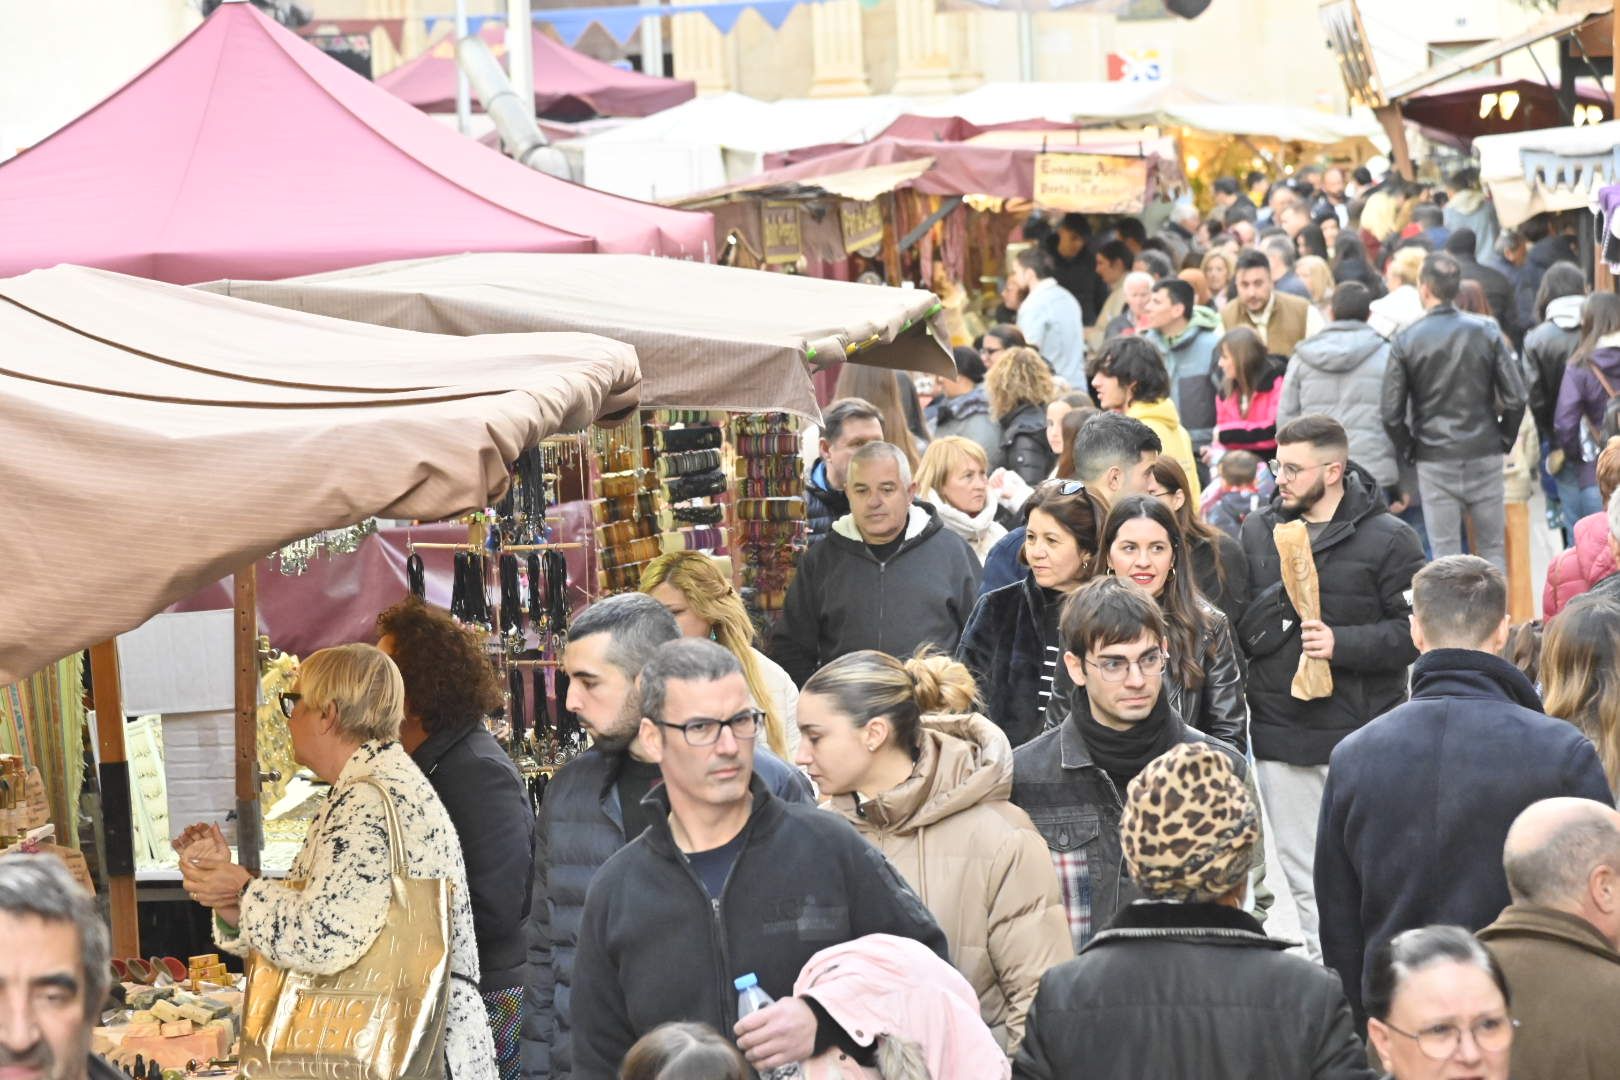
(868, 684)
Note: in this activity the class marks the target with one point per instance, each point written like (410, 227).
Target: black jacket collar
(437, 745)
(1471, 673)
(766, 812)
(1204, 924)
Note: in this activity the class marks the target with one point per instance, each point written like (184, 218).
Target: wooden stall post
(249, 828)
(1521, 595)
(118, 849)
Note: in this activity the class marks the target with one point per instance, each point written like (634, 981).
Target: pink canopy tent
(246, 152)
(568, 85)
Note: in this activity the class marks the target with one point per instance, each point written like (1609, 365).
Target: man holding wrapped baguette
(1326, 631)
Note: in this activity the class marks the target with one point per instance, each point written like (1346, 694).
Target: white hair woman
(343, 714)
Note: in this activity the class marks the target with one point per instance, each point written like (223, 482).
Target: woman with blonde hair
(343, 714)
(1401, 306)
(1019, 387)
(1318, 278)
(1580, 673)
(1218, 274)
(705, 604)
(902, 755)
(955, 476)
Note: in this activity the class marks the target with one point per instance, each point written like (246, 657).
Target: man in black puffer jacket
(593, 807)
(1184, 983)
(1365, 559)
(846, 425)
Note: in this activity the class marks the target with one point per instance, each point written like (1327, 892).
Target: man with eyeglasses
(1072, 779)
(727, 880)
(1559, 941)
(1364, 559)
(594, 805)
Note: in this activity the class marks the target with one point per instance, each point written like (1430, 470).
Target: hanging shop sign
(1090, 183)
(862, 223)
(784, 244)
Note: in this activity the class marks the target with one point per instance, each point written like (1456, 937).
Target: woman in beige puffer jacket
(895, 749)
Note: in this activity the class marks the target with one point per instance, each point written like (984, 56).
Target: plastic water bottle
(751, 998)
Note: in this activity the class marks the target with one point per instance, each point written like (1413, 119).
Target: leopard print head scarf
(1190, 830)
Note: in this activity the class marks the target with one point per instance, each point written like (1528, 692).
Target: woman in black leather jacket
(1219, 568)
(1143, 544)
(1019, 387)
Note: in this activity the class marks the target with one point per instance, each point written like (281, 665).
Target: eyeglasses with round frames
(289, 702)
(704, 731)
(1291, 471)
(1492, 1034)
(1114, 668)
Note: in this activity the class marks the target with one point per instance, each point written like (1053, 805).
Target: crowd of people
(1200, 553)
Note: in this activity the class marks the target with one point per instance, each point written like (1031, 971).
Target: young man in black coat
(1419, 802)
(726, 881)
(1365, 559)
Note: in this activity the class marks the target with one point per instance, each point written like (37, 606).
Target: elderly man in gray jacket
(1340, 373)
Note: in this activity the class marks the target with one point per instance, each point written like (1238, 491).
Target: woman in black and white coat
(344, 715)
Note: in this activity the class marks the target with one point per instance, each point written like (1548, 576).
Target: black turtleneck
(1123, 754)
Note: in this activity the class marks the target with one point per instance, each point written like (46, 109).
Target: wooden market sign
(862, 224)
(1090, 183)
(779, 222)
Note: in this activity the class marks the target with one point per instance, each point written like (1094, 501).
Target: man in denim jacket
(1071, 781)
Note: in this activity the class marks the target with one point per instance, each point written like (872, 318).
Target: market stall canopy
(927, 167)
(1534, 172)
(708, 337)
(247, 151)
(568, 85)
(158, 438)
(1469, 108)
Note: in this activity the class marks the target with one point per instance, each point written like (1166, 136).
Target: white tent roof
(722, 139)
(1517, 189)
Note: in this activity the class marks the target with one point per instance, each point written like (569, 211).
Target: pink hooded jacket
(894, 988)
(1579, 568)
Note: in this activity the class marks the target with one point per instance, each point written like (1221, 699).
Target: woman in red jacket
(1577, 569)
(1251, 389)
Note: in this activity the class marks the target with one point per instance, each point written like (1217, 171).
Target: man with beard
(593, 805)
(53, 973)
(1365, 559)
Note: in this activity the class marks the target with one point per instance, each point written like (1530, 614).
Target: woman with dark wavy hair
(1144, 544)
(450, 690)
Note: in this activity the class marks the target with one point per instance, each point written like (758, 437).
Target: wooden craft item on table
(1314, 677)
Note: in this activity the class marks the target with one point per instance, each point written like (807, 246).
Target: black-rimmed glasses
(289, 702)
(1067, 487)
(704, 731)
(1492, 1034)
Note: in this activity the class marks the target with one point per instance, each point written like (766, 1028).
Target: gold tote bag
(382, 1018)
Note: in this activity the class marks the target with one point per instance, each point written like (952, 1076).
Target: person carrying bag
(363, 964)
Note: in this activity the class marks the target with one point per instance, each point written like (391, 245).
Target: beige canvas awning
(158, 438)
(708, 337)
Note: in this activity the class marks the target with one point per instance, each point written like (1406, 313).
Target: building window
(1441, 51)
